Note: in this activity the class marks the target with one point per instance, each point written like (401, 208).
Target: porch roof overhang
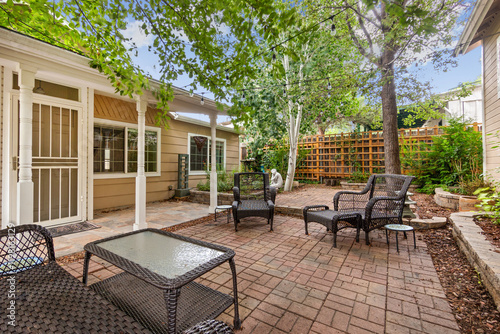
(59, 64)
(480, 20)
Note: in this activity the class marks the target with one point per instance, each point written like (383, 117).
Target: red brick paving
(292, 283)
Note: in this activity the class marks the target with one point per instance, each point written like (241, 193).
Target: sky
(467, 70)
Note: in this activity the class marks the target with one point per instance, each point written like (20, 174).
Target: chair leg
(414, 240)
(305, 223)
(386, 236)
(335, 239)
(367, 237)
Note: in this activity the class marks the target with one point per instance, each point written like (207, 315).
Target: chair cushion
(325, 217)
(253, 205)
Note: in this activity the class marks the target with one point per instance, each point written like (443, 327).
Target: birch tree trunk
(293, 129)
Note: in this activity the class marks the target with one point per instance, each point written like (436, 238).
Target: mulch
(471, 303)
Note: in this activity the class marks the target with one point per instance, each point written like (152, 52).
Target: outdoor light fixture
(202, 102)
(333, 25)
(39, 89)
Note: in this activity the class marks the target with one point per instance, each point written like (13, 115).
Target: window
(115, 150)
(199, 153)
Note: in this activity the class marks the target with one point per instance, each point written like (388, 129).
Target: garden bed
(455, 201)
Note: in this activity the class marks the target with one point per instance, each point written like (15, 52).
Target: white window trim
(107, 122)
(189, 152)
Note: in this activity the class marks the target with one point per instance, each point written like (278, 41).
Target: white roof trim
(194, 121)
(18, 47)
(473, 23)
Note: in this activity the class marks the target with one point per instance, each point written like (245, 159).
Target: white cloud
(137, 35)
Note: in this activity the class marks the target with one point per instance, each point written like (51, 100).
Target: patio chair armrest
(236, 193)
(272, 193)
(270, 204)
(312, 207)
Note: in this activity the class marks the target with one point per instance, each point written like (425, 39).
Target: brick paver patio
(292, 283)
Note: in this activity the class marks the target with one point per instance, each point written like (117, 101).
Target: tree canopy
(209, 40)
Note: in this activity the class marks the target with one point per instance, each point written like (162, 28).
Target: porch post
(25, 182)
(140, 180)
(213, 167)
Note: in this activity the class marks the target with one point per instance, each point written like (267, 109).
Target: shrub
(489, 199)
(453, 159)
(225, 180)
(358, 176)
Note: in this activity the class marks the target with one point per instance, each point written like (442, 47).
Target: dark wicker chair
(48, 299)
(381, 202)
(253, 197)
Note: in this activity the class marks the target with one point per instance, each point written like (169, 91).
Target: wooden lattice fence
(341, 155)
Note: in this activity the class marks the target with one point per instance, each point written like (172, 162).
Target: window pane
(198, 156)
(150, 151)
(219, 154)
(109, 149)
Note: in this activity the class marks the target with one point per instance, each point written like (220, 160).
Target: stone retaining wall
(479, 251)
(203, 197)
(454, 201)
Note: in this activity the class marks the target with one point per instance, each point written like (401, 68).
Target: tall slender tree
(305, 75)
(392, 36)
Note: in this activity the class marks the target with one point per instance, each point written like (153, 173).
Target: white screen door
(56, 163)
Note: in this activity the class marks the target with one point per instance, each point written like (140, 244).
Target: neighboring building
(469, 109)
(483, 28)
(70, 144)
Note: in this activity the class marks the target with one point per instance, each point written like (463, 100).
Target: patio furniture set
(156, 292)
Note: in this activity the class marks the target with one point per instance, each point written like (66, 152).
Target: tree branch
(361, 50)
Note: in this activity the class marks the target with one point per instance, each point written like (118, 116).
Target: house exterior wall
(116, 192)
(491, 100)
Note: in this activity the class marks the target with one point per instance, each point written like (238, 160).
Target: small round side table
(223, 208)
(400, 228)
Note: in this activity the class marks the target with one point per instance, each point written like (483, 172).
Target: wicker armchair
(48, 299)
(381, 202)
(253, 197)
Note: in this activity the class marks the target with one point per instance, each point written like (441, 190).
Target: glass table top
(162, 254)
(398, 227)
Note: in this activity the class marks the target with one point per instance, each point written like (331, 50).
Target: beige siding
(109, 193)
(492, 102)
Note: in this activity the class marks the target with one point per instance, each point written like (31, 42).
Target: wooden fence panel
(340, 155)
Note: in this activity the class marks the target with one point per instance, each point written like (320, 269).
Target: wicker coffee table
(157, 287)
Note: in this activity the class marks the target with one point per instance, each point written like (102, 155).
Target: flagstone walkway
(158, 215)
(292, 283)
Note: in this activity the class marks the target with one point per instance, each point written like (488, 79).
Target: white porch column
(140, 180)
(25, 182)
(213, 167)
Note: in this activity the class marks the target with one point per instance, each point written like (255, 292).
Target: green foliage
(453, 159)
(489, 198)
(358, 176)
(276, 156)
(225, 181)
(205, 40)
